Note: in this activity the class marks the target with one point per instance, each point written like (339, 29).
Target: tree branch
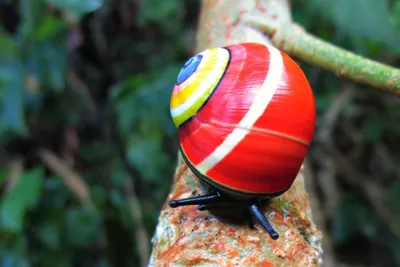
(71, 178)
(295, 41)
(187, 237)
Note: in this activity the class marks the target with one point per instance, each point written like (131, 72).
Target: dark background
(90, 81)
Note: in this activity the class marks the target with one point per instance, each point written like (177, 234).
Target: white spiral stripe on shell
(260, 103)
(213, 76)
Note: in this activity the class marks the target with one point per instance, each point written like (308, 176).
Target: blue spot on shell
(188, 69)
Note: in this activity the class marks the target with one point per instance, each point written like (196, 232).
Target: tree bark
(187, 237)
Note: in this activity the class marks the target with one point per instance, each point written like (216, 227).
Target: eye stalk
(189, 68)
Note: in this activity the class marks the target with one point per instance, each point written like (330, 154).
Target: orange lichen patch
(293, 249)
(208, 22)
(231, 231)
(250, 260)
(185, 217)
(218, 247)
(277, 217)
(210, 4)
(278, 251)
(228, 262)
(256, 259)
(195, 258)
(267, 263)
(229, 24)
(182, 170)
(231, 252)
(298, 244)
(254, 238)
(302, 222)
(173, 251)
(179, 190)
(287, 220)
(240, 240)
(242, 12)
(209, 40)
(225, 18)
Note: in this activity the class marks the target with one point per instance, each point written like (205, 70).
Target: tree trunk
(188, 237)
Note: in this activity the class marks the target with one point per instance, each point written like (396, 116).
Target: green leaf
(373, 19)
(58, 258)
(146, 153)
(104, 263)
(396, 14)
(82, 227)
(3, 175)
(32, 13)
(22, 196)
(9, 258)
(78, 7)
(120, 202)
(99, 196)
(49, 233)
(127, 117)
(396, 254)
(372, 129)
(8, 47)
(48, 27)
(12, 94)
(40, 63)
(324, 100)
(116, 197)
(346, 221)
(140, 99)
(159, 11)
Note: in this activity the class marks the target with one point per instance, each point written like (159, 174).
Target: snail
(245, 115)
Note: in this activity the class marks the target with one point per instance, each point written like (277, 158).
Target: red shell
(274, 136)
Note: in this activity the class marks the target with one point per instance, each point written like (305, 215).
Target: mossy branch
(295, 41)
(186, 236)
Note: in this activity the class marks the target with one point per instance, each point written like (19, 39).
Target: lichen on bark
(185, 236)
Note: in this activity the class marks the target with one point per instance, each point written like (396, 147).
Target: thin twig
(295, 41)
(331, 115)
(71, 178)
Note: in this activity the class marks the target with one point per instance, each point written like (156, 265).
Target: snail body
(245, 115)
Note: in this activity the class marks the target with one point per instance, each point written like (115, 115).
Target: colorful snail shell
(245, 115)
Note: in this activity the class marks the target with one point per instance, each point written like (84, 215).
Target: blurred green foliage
(91, 81)
(371, 23)
(364, 227)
